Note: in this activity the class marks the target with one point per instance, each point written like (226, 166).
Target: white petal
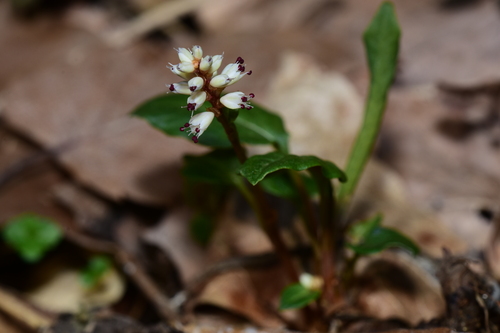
(201, 120)
(180, 88)
(197, 52)
(232, 100)
(186, 67)
(206, 63)
(219, 81)
(195, 84)
(185, 55)
(216, 62)
(197, 99)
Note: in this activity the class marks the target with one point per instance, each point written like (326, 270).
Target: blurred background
(72, 71)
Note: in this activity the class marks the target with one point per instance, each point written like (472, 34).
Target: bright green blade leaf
(382, 44)
(218, 166)
(32, 236)
(258, 166)
(382, 238)
(97, 267)
(256, 126)
(201, 228)
(363, 229)
(297, 296)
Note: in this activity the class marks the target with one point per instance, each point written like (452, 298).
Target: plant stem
(267, 216)
(327, 234)
(307, 212)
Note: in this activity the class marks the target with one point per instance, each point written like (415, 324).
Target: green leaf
(32, 236)
(218, 166)
(297, 296)
(363, 229)
(382, 44)
(381, 238)
(201, 228)
(256, 126)
(97, 267)
(258, 166)
(281, 185)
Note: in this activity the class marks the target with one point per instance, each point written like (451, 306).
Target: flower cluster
(203, 83)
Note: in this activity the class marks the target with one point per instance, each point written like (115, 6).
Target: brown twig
(24, 312)
(132, 268)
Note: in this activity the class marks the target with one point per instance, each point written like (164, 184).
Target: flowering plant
(335, 239)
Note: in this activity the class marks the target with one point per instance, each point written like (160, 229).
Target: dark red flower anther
(249, 73)
(171, 88)
(191, 106)
(241, 68)
(249, 107)
(195, 139)
(186, 125)
(242, 106)
(197, 130)
(252, 95)
(182, 129)
(244, 99)
(239, 60)
(193, 88)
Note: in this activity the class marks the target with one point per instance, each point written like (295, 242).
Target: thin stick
(132, 268)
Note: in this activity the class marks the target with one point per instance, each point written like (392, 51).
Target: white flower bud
(197, 52)
(176, 71)
(311, 282)
(186, 67)
(195, 84)
(237, 100)
(196, 100)
(216, 62)
(198, 124)
(231, 70)
(184, 55)
(206, 63)
(220, 81)
(180, 88)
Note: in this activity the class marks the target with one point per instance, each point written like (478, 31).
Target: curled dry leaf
(393, 285)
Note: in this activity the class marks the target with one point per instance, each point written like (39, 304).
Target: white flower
(180, 88)
(197, 52)
(206, 63)
(177, 71)
(231, 74)
(198, 124)
(184, 54)
(237, 100)
(219, 81)
(196, 83)
(216, 62)
(196, 100)
(311, 282)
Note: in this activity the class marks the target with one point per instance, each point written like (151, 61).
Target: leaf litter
(435, 189)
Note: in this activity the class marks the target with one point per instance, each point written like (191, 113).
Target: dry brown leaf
(84, 95)
(393, 285)
(328, 106)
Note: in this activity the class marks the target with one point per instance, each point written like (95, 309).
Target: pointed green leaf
(258, 166)
(281, 185)
(381, 238)
(256, 126)
(32, 236)
(297, 296)
(219, 166)
(382, 45)
(363, 229)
